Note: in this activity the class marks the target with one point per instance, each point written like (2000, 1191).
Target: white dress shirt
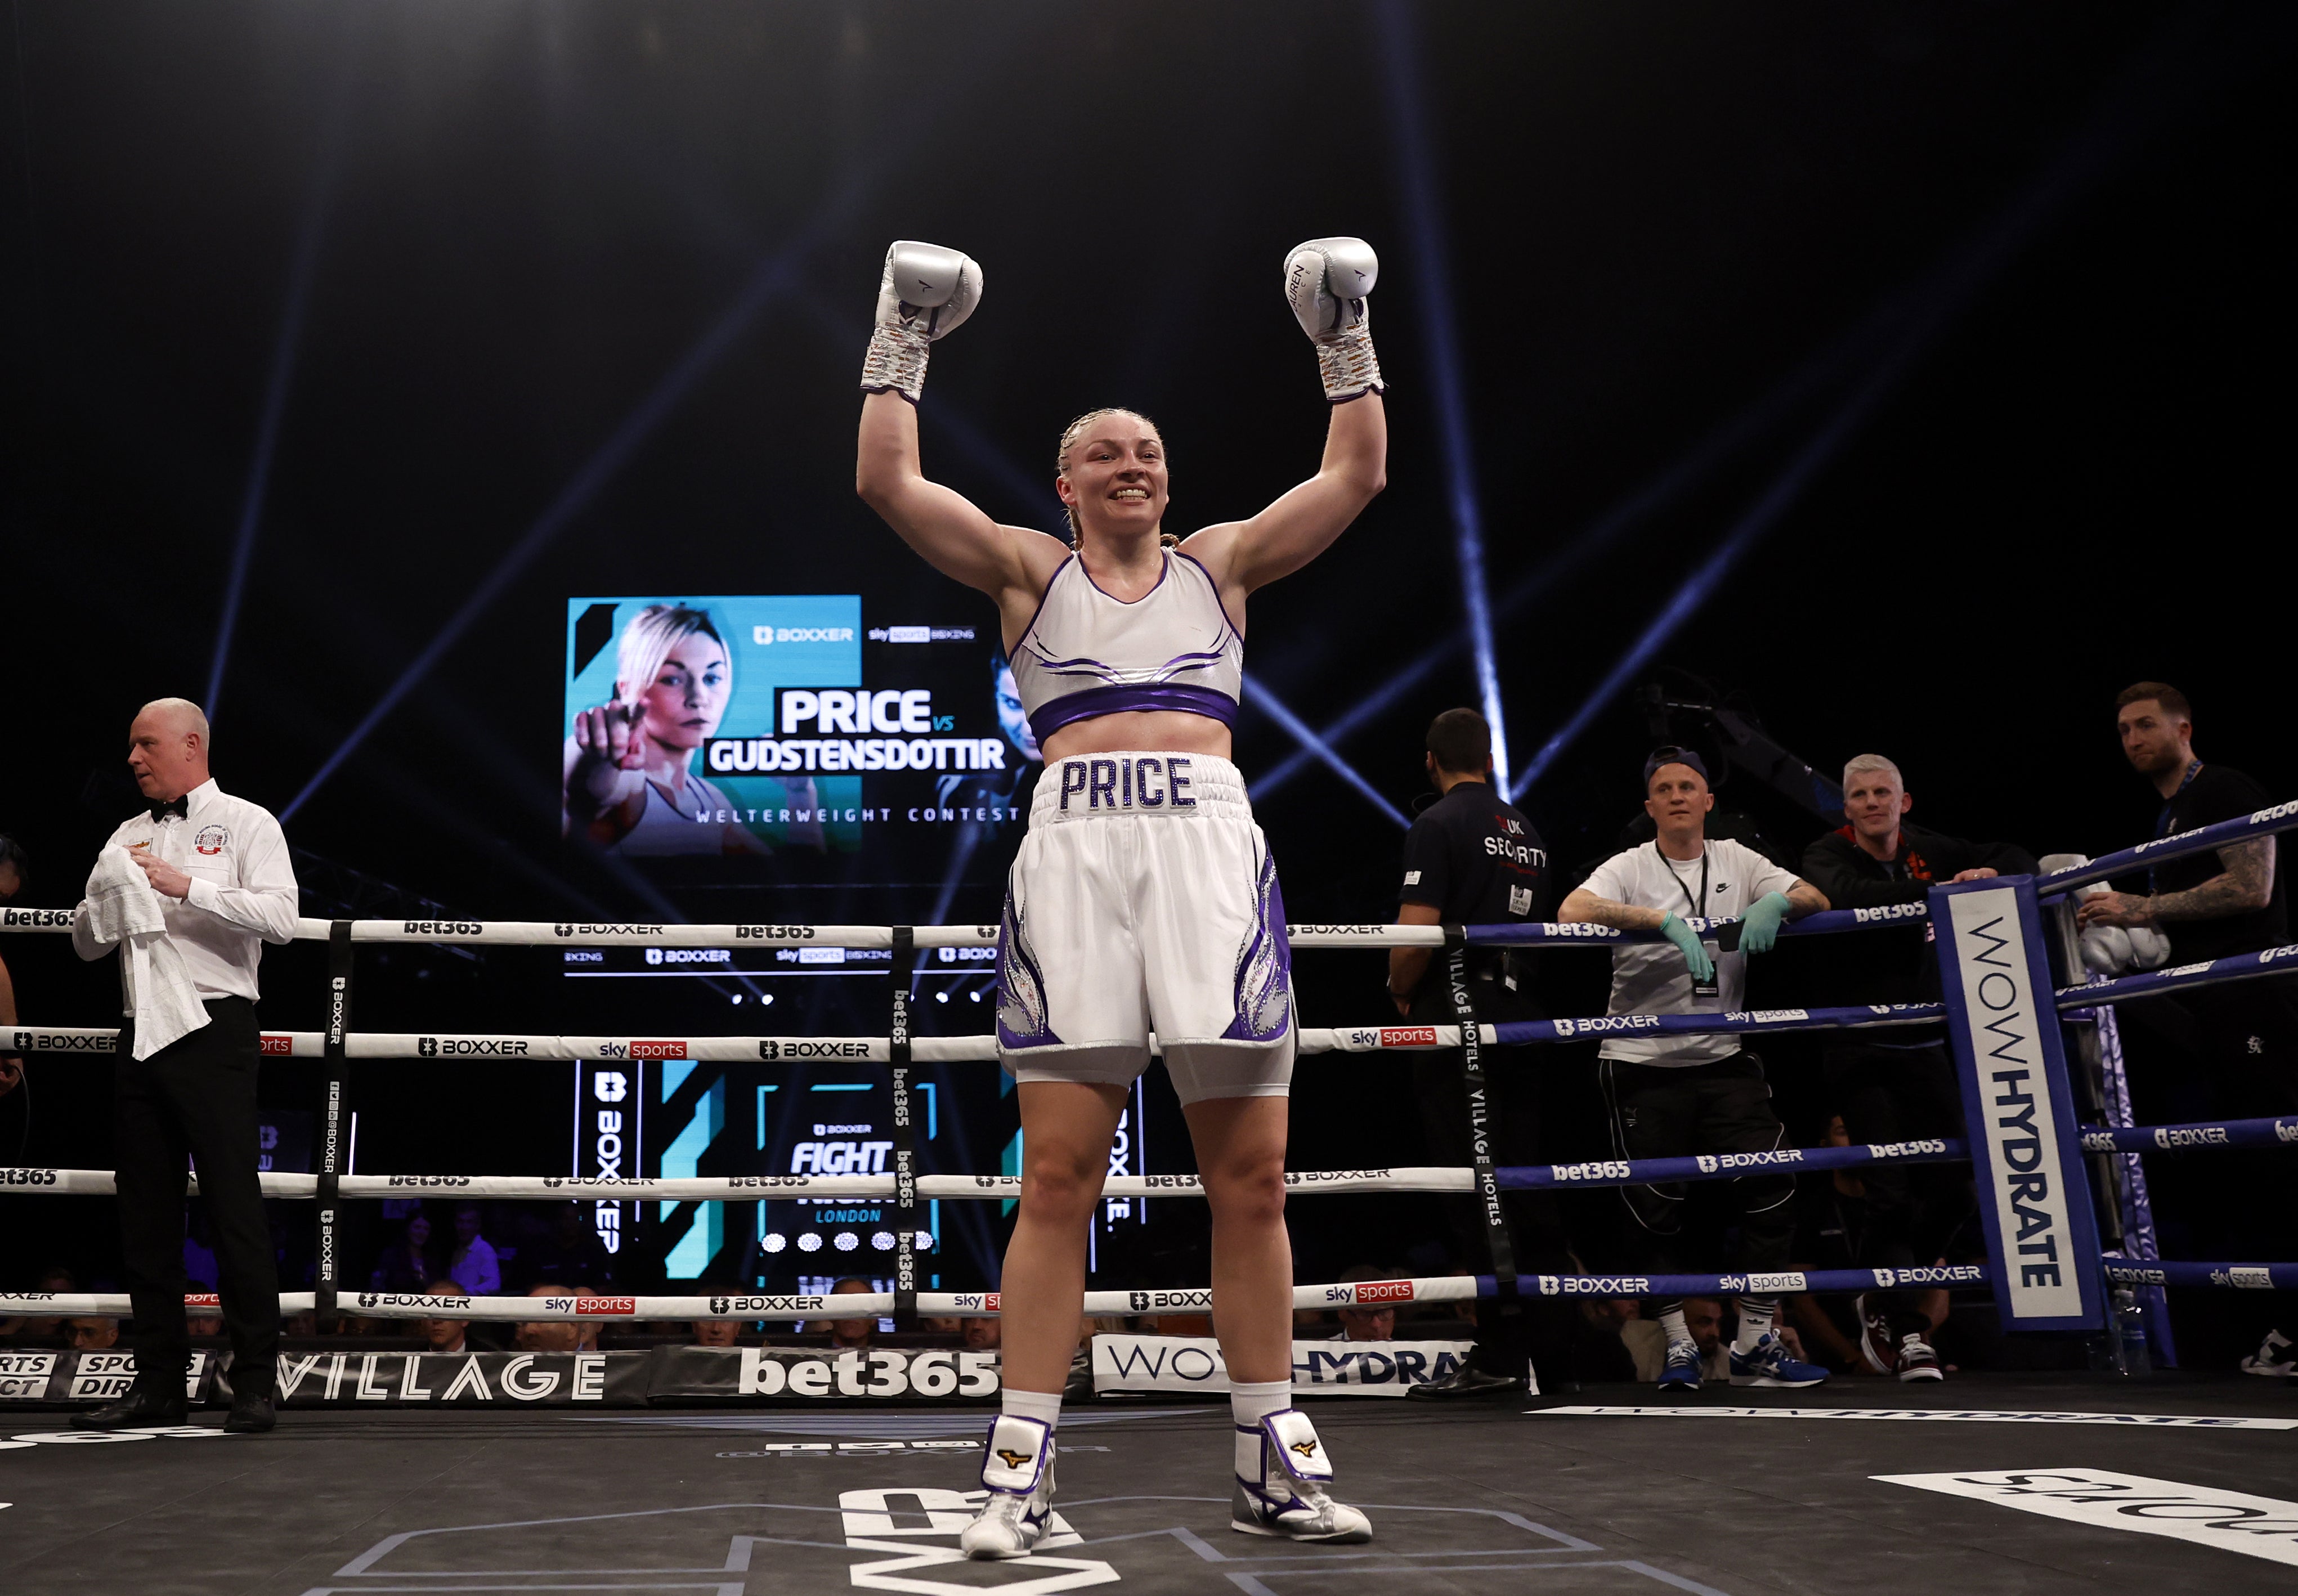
(243, 892)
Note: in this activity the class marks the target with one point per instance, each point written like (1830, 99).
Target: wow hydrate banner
(799, 723)
(2026, 1156)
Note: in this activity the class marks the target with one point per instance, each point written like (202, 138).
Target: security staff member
(1471, 858)
(219, 865)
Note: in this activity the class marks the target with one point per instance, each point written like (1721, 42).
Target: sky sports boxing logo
(1367, 1293)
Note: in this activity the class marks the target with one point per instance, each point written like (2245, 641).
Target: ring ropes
(901, 1051)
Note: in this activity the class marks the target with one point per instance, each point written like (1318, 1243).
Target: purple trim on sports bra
(1119, 700)
(1163, 571)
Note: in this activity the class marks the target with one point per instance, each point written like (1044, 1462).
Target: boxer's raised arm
(1326, 282)
(951, 533)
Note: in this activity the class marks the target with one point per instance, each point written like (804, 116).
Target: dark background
(1963, 329)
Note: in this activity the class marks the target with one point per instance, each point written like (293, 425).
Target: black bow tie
(181, 808)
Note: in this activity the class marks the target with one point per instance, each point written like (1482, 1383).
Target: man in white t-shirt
(1676, 1096)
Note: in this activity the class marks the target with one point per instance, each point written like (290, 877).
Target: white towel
(122, 909)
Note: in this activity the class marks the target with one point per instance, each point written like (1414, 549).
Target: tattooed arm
(2245, 885)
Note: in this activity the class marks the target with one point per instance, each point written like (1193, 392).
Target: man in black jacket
(1898, 1085)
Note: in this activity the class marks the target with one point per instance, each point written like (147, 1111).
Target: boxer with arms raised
(1143, 897)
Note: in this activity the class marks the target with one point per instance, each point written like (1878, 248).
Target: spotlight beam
(774, 276)
(1685, 474)
(318, 200)
(1268, 704)
(2114, 132)
(1417, 170)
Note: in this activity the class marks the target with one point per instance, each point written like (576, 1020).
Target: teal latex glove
(1695, 953)
(1759, 927)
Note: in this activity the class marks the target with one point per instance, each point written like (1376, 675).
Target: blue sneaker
(1681, 1372)
(1771, 1364)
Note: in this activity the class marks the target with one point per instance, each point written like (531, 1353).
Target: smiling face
(418, 1233)
(687, 699)
(1873, 802)
(1112, 476)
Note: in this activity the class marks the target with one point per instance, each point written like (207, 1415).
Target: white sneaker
(2275, 1357)
(1017, 1466)
(1287, 1499)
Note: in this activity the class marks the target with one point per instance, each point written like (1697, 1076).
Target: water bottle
(2130, 1328)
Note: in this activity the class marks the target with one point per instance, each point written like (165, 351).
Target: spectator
(1678, 1096)
(851, 1332)
(1897, 1085)
(52, 1282)
(553, 1335)
(2232, 900)
(572, 1254)
(985, 1334)
(203, 1323)
(2239, 1040)
(1368, 1323)
(93, 1335)
(407, 1268)
(475, 1266)
(446, 1335)
(944, 1323)
(717, 1332)
(1600, 1347)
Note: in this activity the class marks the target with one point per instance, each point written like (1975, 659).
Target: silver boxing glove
(1326, 282)
(924, 293)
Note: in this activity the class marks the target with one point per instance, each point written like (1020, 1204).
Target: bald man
(225, 887)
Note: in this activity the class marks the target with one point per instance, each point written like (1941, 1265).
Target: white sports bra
(1086, 653)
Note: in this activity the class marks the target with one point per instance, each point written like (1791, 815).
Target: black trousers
(1538, 1329)
(1725, 1106)
(196, 1099)
(1897, 1095)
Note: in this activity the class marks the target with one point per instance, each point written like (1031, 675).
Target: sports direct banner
(1193, 1364)
(2034, 1193)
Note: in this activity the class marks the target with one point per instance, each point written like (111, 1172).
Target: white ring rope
(733, 1305)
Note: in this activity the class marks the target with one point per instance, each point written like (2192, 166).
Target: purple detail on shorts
(1022, 1021)
(1050, 718)
(1264, 970)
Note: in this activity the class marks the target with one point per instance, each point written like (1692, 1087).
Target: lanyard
(2163, 820)
(1670, 863)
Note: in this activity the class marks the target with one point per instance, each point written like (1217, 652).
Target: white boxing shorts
(1144, 900)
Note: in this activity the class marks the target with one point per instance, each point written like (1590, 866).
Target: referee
(1471, 858)
(220, 868)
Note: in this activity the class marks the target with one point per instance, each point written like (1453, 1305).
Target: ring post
(328, 1276)
(1481, 1120)
(905, 1155)
(2026, 1148)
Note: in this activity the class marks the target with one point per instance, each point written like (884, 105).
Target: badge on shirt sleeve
(211, 839)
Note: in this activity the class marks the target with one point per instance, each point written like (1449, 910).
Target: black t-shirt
(2217, 792)
(1474, 859)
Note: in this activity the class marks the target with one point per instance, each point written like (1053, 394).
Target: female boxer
(1144, 898)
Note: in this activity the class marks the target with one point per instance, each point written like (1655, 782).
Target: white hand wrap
(1327, 281)
(924, 294)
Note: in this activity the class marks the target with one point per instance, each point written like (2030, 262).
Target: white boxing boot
(1017, 1466)
(1281, 1474)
